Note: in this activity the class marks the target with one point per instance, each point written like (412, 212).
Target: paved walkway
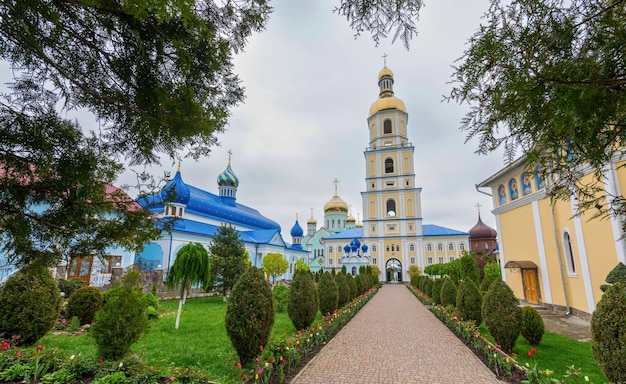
(395, 339)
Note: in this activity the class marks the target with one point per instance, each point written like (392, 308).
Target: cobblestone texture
(395, 339)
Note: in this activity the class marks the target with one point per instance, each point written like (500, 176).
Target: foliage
(328, 293)
(414, 270)
(436, 291)
(344, 270)
(228, 257)
(84, 303)
(616, 275)
(608, 331)
(430, 283)
(281, 297)
(492, 271)
(30, 304)
(436, 270)
(448, 292)
(469, 301)
(359, 285)
(120, 322)
(375, 273)
(303, 300)
(502, 315)
(381, 17)
(152, 313)
(301, 265)
(151, 300)
(484, 285)
(69, 286)
(469, 268)
(352, 286)
(250, 314)
(274, 264)
(543, 77)
(343, 290)
(532, 326)
(132, 278)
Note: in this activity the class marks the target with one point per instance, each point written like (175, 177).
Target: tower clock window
(389, 166)
(387, 127)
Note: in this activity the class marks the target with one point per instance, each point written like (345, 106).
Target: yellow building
(392, 235)
(548, 252)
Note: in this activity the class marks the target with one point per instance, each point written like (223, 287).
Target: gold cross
(385, 59)
(230, 153)
(180, 160)
(336, 182)
(478, 206)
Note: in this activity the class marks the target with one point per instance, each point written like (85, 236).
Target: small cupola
(227, 183)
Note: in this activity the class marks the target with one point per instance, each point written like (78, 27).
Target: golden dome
(312, 221)
(390, 102)
(336, 205)
(384, 72)
(351, 219)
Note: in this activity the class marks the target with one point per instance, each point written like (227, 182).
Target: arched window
(330, 249)
(462, 247)
(502, 194)
(569, 253)
(391, 207)
(513, 189)
(450, 247)
(540, 181)
(353, 271)
(411, 247)
(440, 247)
(389, 165)
(373, 248)
(387, 126)
(429, 247)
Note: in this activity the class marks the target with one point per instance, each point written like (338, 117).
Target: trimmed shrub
(329, 295)
(469, 268)
(430, 283)
(250, 314)
(120, 322)
(351, 286)
(303, 300)
(436, 291)
(367, 281)
(492, 271)
(84, 303)
(469, 301)
(616, 275)
(70, 286)
(281, 295)
(532, 325)
(343, 291)
(30, 304)
(423, 283)
(608, 332)
(415, 281)
(359, 285)
(502, 315)
(448, 293)
(484, 285)
(152, 313)
(151, 300)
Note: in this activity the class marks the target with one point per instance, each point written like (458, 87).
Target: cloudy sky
(309, 85)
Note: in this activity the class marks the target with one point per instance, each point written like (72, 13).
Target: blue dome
(177, 189)
(296, 230)
(355, 242)
(228, 178)
(346, 249)
(364, 248)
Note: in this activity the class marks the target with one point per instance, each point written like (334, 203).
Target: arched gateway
(394, 270)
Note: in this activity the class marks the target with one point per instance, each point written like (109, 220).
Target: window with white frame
(440, 247)
(462, 246)
(569, 253)
(330, 261)
(450, 247)
(373, 248)
(429, 247)
(412, 260)
(430, 260)
(440, 260)
(373, 260)
(330, 249)
(411, 247)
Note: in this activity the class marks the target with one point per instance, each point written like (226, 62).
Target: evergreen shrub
(250, 314)
(436, 291)
(151, 300)
(281, 295)
(469, 268)
(343, 291)
(328, 293)
(492, 271)
(84, 303)
(359, 285)
(120, 322)
(69, 286)
(532, 326)
(430, 283)
(608, 333)
(423, 283)
(469, 301)
(448, 293)
(303, 301)
(351, 286)
(152, 313)
(30, 304)
(484, 285)
(502, 315)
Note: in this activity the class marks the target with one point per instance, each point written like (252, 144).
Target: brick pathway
(395, 339)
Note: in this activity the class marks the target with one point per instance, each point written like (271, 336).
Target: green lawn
(557, 353)
(201, 340)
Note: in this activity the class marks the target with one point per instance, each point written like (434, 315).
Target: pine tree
(228, 258)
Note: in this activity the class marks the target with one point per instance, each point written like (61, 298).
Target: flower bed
(282, 359)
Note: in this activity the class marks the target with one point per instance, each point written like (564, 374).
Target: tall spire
(385, 59)
(336, 181)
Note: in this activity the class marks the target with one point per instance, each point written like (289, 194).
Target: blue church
(200, 213)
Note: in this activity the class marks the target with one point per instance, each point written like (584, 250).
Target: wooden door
(530, 285)
(80, 268)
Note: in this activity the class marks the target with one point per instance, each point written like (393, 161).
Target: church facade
(392, 235)
(198, 214)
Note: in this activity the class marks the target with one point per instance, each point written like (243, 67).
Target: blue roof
(296, 230)
(261, 236)
(208, 205)
(349, 234)
(436, 230)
